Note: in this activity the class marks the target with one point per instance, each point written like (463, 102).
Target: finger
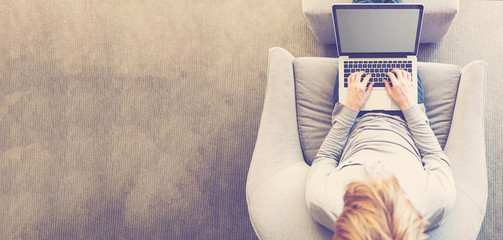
(409, 76)
(392, 78)
(388, 87)
(355, 76)
(359, 76)
(366, 80)
(351, 78)
(398, 73)
(404, 74)
(369, 89)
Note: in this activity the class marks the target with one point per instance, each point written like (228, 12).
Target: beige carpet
(137, 119)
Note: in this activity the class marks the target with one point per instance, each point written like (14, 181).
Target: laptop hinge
(379, 55)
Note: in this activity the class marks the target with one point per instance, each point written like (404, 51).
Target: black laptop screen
(377, 30)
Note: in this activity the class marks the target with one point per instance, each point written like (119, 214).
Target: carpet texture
(137, 119)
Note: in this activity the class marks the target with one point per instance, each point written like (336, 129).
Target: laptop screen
(377, 29)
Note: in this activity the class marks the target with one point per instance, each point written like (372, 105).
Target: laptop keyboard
(378, 69)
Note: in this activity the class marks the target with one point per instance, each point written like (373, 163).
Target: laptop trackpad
(378, 100)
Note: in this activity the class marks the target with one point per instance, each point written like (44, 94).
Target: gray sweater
(380, 144)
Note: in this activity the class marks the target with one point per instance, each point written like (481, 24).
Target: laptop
(377, 38)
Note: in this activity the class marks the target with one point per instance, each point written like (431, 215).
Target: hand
(358, 92)
(401, 92)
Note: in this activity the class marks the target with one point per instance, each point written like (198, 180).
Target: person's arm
(417, 121)
(343, 119)
(327, 158)
(325, 162)
(440, 189)
(424, 138)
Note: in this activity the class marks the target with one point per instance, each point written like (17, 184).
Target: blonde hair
(378, 209)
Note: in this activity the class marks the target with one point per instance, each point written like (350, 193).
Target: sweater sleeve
(440, 187)
(424, 138)
(325, 162)
(343, 118)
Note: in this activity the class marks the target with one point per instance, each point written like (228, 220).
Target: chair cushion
(314, 89)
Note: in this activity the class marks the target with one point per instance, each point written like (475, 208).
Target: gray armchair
(290, 133)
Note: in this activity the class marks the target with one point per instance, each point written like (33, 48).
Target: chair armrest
(465, 145)
(278, 209)
(278, 144)
(276, 178)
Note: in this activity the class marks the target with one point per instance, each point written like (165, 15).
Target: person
(380, 175)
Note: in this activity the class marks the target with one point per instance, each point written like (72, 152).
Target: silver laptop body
(376, 38)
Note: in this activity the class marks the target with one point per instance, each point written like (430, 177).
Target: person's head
(378, 209)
